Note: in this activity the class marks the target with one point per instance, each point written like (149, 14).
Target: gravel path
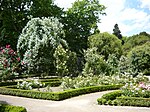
(83, 103)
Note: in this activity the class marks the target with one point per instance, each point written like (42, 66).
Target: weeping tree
(37, 44)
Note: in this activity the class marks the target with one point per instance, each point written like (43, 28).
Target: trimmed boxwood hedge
(108, 97)
(52, 84)
(116, 98)
(133, 101)
(49, 80)
(10, 108)
(57, 95)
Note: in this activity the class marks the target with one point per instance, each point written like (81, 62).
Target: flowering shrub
(11, 62)
(29, 85)
(135, 90)
(65, 61)
(86, 81)
(38, 42)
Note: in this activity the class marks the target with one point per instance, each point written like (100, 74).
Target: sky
(132, 16)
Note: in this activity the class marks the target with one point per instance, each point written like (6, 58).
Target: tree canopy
(80, 21)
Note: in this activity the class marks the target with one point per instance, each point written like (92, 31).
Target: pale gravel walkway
(83, 103)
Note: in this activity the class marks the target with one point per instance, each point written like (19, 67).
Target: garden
(57, 55)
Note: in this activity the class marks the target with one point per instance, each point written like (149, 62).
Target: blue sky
(132, 16)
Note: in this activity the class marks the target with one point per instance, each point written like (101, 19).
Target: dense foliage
(65, 62)
(10, 108)
(80, 21)
(11, 63)
(38, 42)
(140, 58)
(102, 55)
(136, 40)
(106, 44)
(14, 14)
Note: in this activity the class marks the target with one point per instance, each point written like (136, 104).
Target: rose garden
(51, 62)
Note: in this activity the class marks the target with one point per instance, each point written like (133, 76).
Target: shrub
(133, 101)
(10, 108)
(86, 81)
(95, 63)
(11, 63)
(106, 44)
(102, 55)
(139, 58)
(112, 95)
(109, 97)
(37, 44)
(135, 40)
(136, 90)
(65, 62)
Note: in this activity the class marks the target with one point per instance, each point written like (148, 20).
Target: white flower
(137, 89)
(143, 91)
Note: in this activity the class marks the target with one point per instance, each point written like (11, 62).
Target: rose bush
(11, 63)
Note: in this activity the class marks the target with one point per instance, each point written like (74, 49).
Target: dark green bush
(133, 101)
(57, 95)
(7, 83)
(10, 108)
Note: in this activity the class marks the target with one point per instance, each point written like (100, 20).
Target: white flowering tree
(37, 44)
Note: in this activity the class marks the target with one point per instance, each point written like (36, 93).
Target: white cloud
(128, 19)
(145, 4)
(114, 8)
(64, 3)
(137, 20)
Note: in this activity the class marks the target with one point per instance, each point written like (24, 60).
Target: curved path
(83, 103)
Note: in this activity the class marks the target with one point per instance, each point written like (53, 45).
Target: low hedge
(116, 98)
(57, 95)
(52, 84)
(7, 83)
(133, 101)
(10, 108)
(49, 80)
(108, 97)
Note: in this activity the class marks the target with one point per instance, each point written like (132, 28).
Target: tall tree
(80, 22)
(45, 8)
(117, 32)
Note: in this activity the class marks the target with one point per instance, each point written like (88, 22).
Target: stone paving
(83, 103)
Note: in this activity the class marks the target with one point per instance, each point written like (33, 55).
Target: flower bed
(10, 108)
(129, 95)
(57, 95)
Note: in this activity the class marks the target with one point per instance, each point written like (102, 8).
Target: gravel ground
(83, 103)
